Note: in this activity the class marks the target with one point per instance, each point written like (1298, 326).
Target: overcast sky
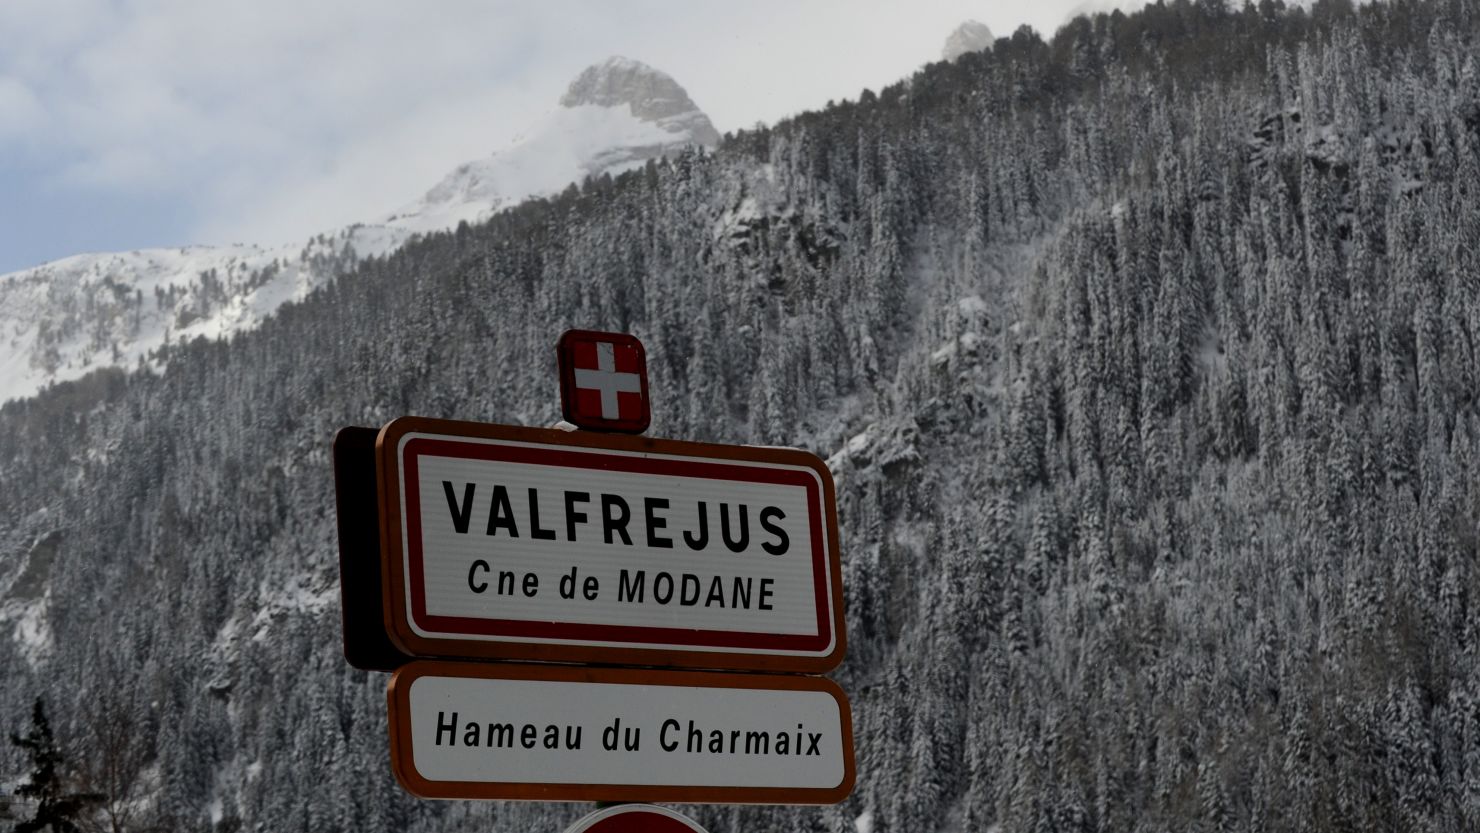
(134, 124)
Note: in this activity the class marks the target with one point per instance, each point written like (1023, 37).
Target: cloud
(742, 63)
(20, 111)
(370, 176)
(276, 119)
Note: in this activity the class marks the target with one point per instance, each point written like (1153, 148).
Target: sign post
(681, 561)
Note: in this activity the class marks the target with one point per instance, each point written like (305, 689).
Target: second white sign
(464, 730)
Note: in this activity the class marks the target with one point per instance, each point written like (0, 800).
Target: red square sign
(603, 381)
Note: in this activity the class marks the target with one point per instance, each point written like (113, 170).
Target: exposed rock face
(653, 96)
(971, 36)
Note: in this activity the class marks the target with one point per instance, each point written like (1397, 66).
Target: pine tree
(56, 809)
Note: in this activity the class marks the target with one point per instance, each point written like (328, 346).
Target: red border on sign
(830, 639)
(683, 637)
(403, 758)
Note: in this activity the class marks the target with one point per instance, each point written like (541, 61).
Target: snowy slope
(570, 144)
(64, 319)
(614, 117)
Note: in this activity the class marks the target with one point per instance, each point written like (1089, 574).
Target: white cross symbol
(606, 379)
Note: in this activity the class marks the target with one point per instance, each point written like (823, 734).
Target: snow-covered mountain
(1156, 485)
(614, 117)
(64, 319)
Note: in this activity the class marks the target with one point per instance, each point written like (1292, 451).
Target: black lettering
(535, 531)
(783, 743)
(572, 737)
(631, 592)
(552, 736)
(478, 587)
(500, 734)
(531, 585)
(702, 541)
(734, 740)
(615, 523)
(590, 588)
(740, 593)
(761, 741)
(782, 541)
(528, 736)
(506, 582)
(630, 738)
(689, 582)
(460, 514)
(660, 596)
(650, 505)
(501, 514)
(724, 527)
(568, 584)
(670, 723)
(696, 739)
(449, 728)
(470, 737)
(572, 517)
(716, 742)
(716, 592)
(814, 738)
(766, 593)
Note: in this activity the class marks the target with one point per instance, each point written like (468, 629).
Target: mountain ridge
(1154, 448)
(66, 318)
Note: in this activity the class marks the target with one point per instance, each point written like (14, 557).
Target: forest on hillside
(1145, 357)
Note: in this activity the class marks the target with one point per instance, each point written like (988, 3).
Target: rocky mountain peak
(62, 320)
(971, 36)
(652, 95)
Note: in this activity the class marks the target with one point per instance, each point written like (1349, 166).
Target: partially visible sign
(636, 818)
(557, 733)
(361, 600)
(519, 543)
(603, 381)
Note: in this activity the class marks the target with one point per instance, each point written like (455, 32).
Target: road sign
(603, 381)
(560, 733)
(519, 543)
(361, 604)
(636, 818)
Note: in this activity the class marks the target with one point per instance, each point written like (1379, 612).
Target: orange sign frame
(398, 601)
(398, 695)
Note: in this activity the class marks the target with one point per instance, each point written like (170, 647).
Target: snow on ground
(854, 448)
(305, 595)
(972, 305)
(30, 630)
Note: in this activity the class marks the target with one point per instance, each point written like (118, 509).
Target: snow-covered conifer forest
(1145, 358)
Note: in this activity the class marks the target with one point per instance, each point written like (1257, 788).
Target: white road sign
(515, 543)
(475, 730)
